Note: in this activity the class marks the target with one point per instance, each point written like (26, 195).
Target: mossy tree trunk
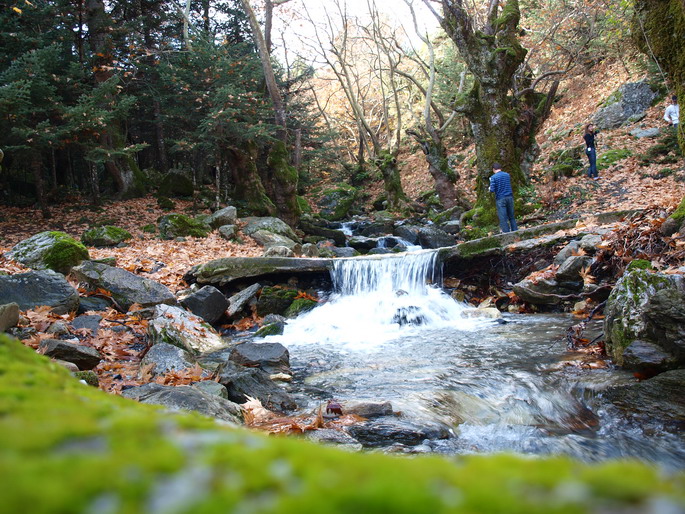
(282, 184)
(386, 163)
(444, 176)
(504, 110)
(248, 188)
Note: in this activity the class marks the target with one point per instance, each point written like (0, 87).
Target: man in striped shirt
(500, 184)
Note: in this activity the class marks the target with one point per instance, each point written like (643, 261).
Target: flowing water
(388, 333)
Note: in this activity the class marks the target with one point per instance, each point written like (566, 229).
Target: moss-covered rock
(335, 204)
(176, 183)
(299, 306)
(165, 203)
(50, 250)
(180, 225)
(67, 447)
(108, 235)
(303, 205)
(610, 157)
(275, 300)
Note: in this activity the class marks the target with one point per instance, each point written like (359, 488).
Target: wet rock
(343, 252)
(36, 288)
(334, 437)
(90, 322)
(209, 303)
(85, 357)
(367, 409)
(186, 398)
(409, 233)
(381, 251)
(362, 243)
(242, 382)
(238, 301)
(275, 300)
(376, 434)
(646, 358)
(409, 315)
(178, 327)
(223, 217)
(270, 357)
(9, 316)
(268, 224)
(55, 251)
(432, 237)
(570, 269)
(126, 288)
(648, 307)
(164, 357)
(543, 292)
(312, 228)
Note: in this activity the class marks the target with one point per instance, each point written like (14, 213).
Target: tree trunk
(444, 176)
(387, 165)
(37, 170)
(248, 188)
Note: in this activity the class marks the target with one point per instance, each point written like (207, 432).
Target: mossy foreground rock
(108, 235)
(50, 250)
(180, 225)
(68, 447)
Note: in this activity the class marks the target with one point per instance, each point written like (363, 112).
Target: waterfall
(376, 299)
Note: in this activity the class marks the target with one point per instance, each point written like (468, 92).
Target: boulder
(107, 235)
(226, 216)
(176, 183)
(343, 252)
(172, 226)
(36, 288)
(211, 387)
(275, 300)
(299, 306)
(242, 382)
(93, 303)
(186, 398)
(278, 251)
(570, 269)
(432, 237)
(646, 358)
(590, 243)
(631, 99)
(90, 322)
(647, 307)
(543, 292)
(377, 228)
(49, 250)
(333, 437)
(270, 357)
(362, 243)
(409, 233)
(310, 250)
(178, 327)
(85, 357)
(311, 228)
(367, 409)
(567, 251)
(126, 288)
(642, 133)
(268, 224)
(228, 232)
(238, 301)
(335, 204)
(268, 239)
(164, 357)
(9, 316)
(209, 303)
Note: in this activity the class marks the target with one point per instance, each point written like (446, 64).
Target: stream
(387, 332)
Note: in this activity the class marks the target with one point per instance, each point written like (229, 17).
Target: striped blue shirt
(500, 184)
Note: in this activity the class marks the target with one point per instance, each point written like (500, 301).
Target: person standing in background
(500, 184)
(672, 113)
(590, 150)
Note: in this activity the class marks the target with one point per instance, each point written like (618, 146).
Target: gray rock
(126, 288)
(632, 99)
(650, 132)
(367, 409)
(377, 228)
(209, 303)
(58, 328)
(89, 322)
(228, 232)
(567, 251)
(362, 243)
(242, 382)
(211, 387)
(543, 292)
(238, 301)
(311, 228)
(271, 357)
(387, 432)
(570, 269)
(278, 251)
(648, 307)
(93, 303)
(105, 236)
(432, 237)
(36, 288)
(590, 243)
(186, 398)
(175, 226)
(268, 239)
(333, 437)
(273, 225)
(409, 233)
(178, 327)
(646, 357)
(223, 217)
(9, 316)
(343, 252)
(310, 250)
(85, 357)
(56, 251)
(451, 227)
(166, 357)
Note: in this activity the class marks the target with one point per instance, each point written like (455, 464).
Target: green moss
(639, 264)
(67, 447)
(303, 205)
(149, 228)
(272, 329)
(165, 203)
(105, 236)
(89, 377)
(299, 306)
(275, 300)
(179, 225)
(337, 202)
(610, 157)
(479, 246)
(50, 250)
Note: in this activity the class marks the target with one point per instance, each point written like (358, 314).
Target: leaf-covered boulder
(107, 235)
(36, 288)
(126, 288)
(647, 307)
(172, 226)
(67, 447)
(49, 250)
(175, 326)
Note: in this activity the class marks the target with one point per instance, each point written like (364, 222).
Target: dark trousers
(505, 213)
(592, 157)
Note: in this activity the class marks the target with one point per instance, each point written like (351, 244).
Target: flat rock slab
(126, 288)
(36, 288)
(224, 271)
